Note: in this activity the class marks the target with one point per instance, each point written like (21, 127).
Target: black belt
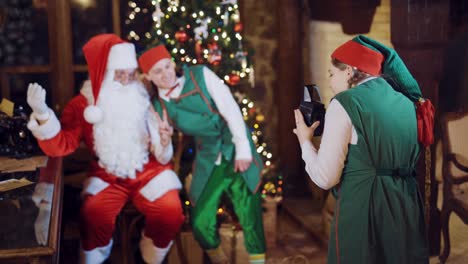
(400, 172)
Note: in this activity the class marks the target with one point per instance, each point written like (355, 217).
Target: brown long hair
(357, 76)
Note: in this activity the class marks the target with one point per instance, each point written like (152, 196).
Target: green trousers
(247, 207)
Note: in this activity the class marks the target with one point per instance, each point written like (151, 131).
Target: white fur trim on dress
(48, 130)
(93, 185)
(159, 185)
(122, 56)
(43, 191)
(150, 253)
(97, 255)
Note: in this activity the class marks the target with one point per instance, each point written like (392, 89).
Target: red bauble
(215, 62)
(213, 46)
(181, 36)
(233, 79)
(199, 51)
(238, 27)
(214, 54)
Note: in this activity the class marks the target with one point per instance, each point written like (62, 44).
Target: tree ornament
(260, 118)
(238, 27)
(181, 36)
(233, 79)
(227, 2)
(251, 76)
(199, 51)
(236, 17)
(214, 54)
(173, 3)
(201, 32)
(158, 14)
(226, 18)
(241, 58)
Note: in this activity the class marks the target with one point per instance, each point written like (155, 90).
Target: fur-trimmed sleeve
(70, 129)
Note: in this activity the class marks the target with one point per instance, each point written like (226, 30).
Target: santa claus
(132, 149)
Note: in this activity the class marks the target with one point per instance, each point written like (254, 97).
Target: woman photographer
(368, 155)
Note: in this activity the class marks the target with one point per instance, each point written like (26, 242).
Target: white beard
(121, 139)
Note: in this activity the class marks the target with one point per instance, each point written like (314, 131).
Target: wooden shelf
(80, 68)
(27, 69)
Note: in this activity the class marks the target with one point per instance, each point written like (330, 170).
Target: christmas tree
(209, 33)
(195, 32)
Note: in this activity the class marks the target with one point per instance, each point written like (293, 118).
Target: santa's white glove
(36, 100)
(41, 225)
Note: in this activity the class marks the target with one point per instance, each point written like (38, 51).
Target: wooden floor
(294, 245)
(458, 238)
(298, 236)
(303, 212)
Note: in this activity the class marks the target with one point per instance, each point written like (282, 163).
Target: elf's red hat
(152, 56)
(105, 52)
(359, 56)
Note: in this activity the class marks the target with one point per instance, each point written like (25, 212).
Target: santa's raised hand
(165, 129)
(36, 96)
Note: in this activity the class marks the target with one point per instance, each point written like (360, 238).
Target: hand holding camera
(312, 108)
(302, 131)
(310, 115)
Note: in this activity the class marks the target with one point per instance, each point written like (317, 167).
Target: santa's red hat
(152, 56)
(105, 52)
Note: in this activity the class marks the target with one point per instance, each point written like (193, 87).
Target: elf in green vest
(373, 134)
(200, 105)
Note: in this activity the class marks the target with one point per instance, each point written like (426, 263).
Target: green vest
(379, 211)
(195, 113)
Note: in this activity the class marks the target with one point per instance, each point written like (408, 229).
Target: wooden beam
(116, 17)
(4, 84)
(60, 45)
(27, 69)
(289, 92)
(419, 31)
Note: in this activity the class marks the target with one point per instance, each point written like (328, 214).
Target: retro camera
(312, 108)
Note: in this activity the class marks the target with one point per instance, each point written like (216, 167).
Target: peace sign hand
(165, 129)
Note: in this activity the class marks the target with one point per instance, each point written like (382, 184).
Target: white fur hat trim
(122, 56)
(93, 114)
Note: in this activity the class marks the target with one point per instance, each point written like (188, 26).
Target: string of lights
(209, 33)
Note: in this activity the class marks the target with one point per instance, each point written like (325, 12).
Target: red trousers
(163, 217)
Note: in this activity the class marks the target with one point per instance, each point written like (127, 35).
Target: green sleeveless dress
(379, 211)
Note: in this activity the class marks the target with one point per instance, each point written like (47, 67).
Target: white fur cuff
(159, 185)
(97, 255)
(93, 185)
(151, 253)
(48, 130)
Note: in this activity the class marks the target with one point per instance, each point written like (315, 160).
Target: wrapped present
(192, 251)
(232, 242)
(270, 220)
